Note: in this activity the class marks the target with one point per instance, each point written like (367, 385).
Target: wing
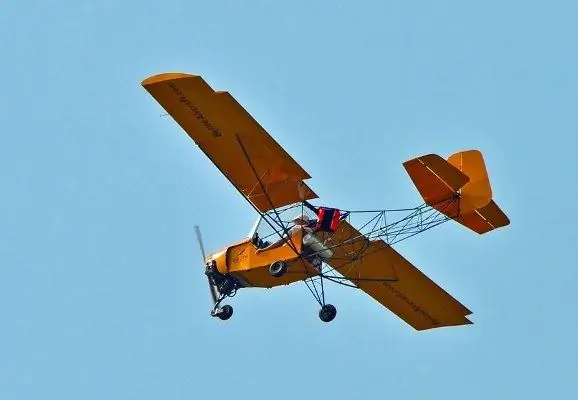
(257, 166)
(381, 272)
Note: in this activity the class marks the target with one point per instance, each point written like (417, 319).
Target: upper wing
(381, 272)
(243, 151)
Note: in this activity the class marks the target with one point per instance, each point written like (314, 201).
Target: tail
(459, 188)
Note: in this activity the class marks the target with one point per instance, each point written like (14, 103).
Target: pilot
(300, 221)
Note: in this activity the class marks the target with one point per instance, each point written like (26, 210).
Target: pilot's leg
(313, 258)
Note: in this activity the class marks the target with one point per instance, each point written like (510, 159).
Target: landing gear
(223, 313)
(278, 269)
(327, 313)
(226, 286)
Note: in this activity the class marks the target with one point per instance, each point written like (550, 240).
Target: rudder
(477, 193)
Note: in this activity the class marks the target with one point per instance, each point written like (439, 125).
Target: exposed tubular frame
(381, 224)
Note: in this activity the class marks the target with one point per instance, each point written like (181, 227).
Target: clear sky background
(102, 292)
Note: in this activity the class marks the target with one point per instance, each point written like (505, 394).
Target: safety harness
(328, 219)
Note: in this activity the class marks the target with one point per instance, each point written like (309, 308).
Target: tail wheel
(278, 268)
(327, 313)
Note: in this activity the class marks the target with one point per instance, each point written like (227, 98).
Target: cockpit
(271, 226)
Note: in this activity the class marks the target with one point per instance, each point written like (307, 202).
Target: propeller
(212, 287)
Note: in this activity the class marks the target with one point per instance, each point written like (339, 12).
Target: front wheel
(226, 312)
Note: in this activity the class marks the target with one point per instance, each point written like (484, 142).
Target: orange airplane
(316, 244)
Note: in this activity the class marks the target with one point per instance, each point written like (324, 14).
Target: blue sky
(102, 293)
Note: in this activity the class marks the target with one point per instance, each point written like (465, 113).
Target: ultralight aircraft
(325, 247)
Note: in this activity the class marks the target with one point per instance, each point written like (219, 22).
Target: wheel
(278, 269)
(226, 312)
(327, 313)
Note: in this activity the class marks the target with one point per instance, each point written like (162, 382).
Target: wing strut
(318, 294)
(260, 182)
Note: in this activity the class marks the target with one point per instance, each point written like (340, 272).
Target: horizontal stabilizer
(436, 179)
(485, 219)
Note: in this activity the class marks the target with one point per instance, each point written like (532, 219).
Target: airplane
(325, 247)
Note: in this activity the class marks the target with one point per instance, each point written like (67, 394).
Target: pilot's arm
(284, 239)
